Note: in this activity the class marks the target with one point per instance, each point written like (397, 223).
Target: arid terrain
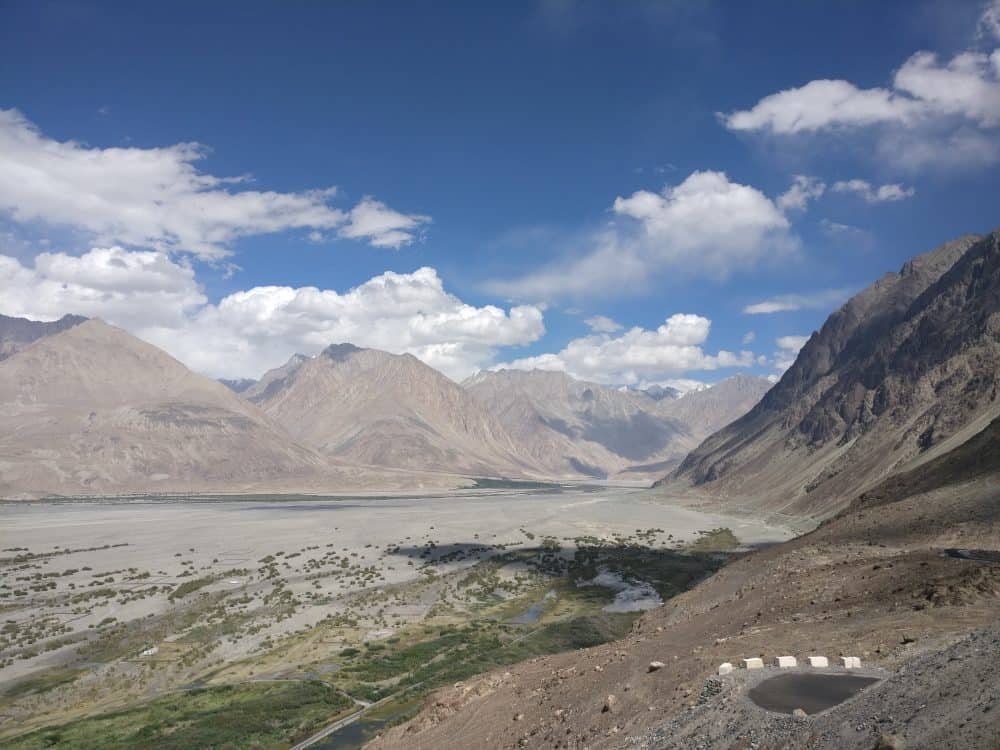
(109, 601)
(874, 582)
(532, 375)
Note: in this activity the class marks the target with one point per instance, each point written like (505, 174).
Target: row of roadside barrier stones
(787, 662)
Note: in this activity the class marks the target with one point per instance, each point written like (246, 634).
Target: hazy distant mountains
(569, 428)
(903, 372)
(89, 409)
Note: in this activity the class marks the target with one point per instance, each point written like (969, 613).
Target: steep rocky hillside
(907, 368)
(369, 407)
(572, 428)
(873, 582)
(94, 410)
(18, 333)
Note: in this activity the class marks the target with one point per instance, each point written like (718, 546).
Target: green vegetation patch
(189, 587)
(485, 483)
(40, 683)
(716, 540)
(230, 717)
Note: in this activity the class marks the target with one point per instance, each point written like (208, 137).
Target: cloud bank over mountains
(151, 225)
(247, 332)
(638, 355)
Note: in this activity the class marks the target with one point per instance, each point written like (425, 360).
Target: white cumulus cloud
(157, 198)
(638, 355)
(707, 225)
(803, 189)
(788, 350)
(380, 225)
(159, 299)
(871, 194)
(818, 300)
(603, 324)
(935, 111)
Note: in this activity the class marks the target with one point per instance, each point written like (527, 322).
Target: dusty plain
(112, 604)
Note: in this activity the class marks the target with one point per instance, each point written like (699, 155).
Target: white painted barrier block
(850, 662)
(818, 661)
(785, 662)
(725, 668)
(753, 663)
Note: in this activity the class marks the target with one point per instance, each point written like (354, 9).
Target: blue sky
(171, 168)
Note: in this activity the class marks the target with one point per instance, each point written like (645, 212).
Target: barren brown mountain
(369, 407)
(94, 410)
(904, 370)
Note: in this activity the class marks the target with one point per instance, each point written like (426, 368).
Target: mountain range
(570, 428)
(369, 407)
(905, 371)
(89, 409)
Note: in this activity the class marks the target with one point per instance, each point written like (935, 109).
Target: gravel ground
(946, 699)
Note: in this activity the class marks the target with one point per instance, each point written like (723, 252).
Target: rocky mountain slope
(274, 379)
(871, 582)
(904, 370)
(94, 410)
(571, 428)
(369, 407)
(18, 333)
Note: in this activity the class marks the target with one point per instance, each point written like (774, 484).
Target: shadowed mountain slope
(906, 369)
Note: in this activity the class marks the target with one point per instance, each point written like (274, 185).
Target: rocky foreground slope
(873, 581)
(889, 416)
(904, 370)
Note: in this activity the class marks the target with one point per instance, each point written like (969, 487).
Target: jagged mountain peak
(340, 352)
(19, 333)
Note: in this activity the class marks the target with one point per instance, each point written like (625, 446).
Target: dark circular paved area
(810, 692)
